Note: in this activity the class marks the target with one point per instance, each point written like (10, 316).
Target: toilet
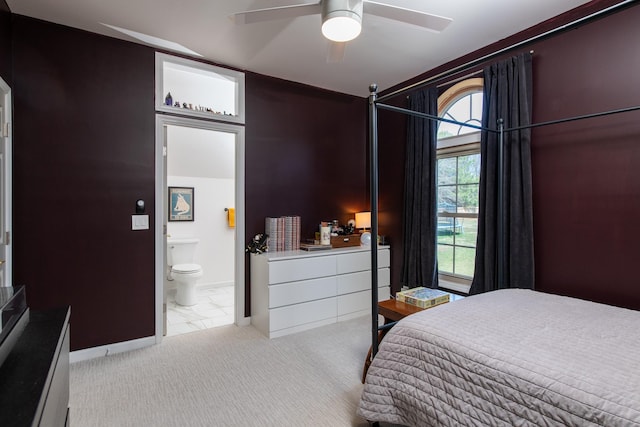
(184, 272)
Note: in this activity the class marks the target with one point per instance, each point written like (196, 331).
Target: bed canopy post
(500, 213)
(373, 177)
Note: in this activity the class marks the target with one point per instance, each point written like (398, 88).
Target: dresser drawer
(361, 261)
(299, 314)
(359, 301)
(306, 290)
(361, 281)
(291, 270)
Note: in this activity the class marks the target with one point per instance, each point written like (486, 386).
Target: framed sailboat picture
(180, 203)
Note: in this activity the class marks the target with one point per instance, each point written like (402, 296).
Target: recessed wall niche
(200, 90)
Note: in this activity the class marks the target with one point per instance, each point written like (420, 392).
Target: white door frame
(6, 138)
(161, 218)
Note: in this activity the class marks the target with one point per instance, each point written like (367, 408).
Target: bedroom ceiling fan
(342, 19)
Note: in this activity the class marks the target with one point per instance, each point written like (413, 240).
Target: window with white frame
(458, 172)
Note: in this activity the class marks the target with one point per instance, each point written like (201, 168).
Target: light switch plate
(139, 222)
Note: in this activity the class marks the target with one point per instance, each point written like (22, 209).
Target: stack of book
(283, 232)
(423, 297)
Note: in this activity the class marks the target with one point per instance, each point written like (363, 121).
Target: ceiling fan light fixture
(341, 28)
(341, 19)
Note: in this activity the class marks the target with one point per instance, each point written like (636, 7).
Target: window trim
(457, 91)
(445, 279)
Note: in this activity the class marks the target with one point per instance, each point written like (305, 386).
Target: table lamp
(363, 220)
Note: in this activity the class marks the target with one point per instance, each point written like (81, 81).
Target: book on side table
(423, 297)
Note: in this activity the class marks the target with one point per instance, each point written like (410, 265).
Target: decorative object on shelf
(365, 239)
(180, 203)
(347, 229)
(325, 233)
(335, 227)
(284, 233)
(258, 244)
(169, 101)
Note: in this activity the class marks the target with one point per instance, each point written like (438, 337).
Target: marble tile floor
(214, 308)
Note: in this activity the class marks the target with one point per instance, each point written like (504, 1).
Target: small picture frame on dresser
(181, 203)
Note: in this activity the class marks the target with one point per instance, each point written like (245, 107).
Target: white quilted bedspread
(509, 358)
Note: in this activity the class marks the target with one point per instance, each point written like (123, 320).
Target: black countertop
(29, 367)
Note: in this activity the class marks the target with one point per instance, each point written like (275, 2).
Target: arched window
(458, 183)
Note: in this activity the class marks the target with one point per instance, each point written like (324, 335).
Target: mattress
(511, 357)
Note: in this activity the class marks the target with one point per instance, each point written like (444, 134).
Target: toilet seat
(186, 268)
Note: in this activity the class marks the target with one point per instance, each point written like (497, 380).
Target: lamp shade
(341, 19)
(363, 220)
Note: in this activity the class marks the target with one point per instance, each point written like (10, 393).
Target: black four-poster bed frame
(375, 103)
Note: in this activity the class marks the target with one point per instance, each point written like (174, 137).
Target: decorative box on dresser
(293, 291)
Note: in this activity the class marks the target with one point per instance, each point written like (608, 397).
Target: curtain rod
(484, 58)
(459, 79)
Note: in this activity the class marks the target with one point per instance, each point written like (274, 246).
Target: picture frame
(181, 207)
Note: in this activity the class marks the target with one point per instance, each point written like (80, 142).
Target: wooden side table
(393, 311)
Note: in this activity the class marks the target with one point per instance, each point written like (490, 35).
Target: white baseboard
(213, 285)
(123, 347)
(210, 285)
(244, 321)
(109, 349)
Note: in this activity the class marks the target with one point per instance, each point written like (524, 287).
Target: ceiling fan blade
(271, 14)
(426, 20)
(335, 51)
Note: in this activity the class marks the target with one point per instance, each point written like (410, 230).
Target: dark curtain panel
(507, 96)
(419, 263)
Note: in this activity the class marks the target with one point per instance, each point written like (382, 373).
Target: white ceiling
(386, 52)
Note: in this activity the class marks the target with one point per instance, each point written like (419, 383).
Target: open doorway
(203, 164)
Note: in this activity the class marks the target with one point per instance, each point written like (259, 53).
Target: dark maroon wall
(84, 143)
(306, 154)
(6, 59)
(586, 175)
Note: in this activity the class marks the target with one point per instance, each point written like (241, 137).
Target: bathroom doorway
(206, 160)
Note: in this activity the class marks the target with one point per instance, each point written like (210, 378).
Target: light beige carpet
(227, 376)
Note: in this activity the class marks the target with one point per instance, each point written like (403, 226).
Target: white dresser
(297, 290)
